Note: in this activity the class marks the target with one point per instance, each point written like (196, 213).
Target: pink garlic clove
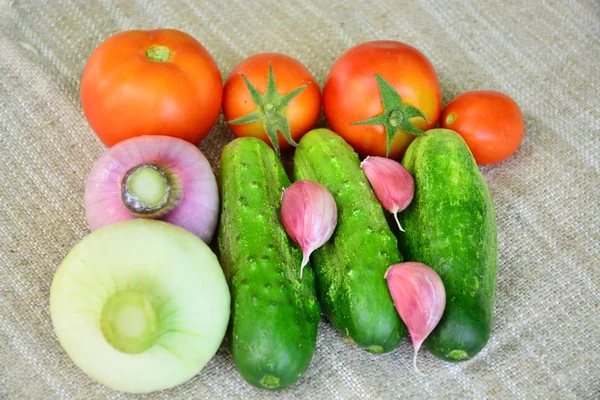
(157, 177)
(420, 299)
(393, 185)
(309, 216)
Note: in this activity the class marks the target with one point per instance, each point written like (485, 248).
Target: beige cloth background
(545, 54)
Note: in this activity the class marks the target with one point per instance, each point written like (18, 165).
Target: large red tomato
(376, 95)
(160, 82)
(490, 122)
(285, 109)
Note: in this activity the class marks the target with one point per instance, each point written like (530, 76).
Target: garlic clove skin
(419, 297)
(309, 216)
(393, 185)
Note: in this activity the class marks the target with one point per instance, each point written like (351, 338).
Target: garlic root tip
(398, 222)
(305, 260)
(415, 364)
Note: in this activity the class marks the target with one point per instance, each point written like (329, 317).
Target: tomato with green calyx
(273, 97)
(380, 95)
(490, 122)
(158, 82)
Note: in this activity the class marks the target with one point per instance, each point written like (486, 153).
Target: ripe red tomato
(160, 82)
(286, 110)
(353, 93)
(490, 122)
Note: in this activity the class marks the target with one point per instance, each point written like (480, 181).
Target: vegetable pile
(143, 303)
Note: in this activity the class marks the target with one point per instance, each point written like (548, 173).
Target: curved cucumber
(450, 226)
(350, 267)
(274, 314)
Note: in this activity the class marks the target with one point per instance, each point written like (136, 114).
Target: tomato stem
(395, 116)
(158, 53)
(271, 110)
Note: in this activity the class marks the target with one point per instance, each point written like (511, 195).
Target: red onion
(157, 177)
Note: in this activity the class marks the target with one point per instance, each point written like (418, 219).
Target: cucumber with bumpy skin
(350, 268)
(275, 313)
(450, 226)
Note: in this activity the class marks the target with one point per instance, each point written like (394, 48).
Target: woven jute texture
(545, 54)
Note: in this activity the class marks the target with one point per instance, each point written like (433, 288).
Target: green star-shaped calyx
(270, 110)
(396, 115)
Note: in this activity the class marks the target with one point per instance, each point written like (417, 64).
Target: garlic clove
(419, 297)
(309, 216)
(393, 185)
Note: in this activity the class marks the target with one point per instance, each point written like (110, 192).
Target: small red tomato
(273, 97)
(379, 95)
(160, 82)
(490, 122)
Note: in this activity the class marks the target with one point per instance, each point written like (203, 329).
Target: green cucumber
(275, 313)
(350, 267)
(450, 226)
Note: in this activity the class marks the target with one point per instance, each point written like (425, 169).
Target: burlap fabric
(545, 54)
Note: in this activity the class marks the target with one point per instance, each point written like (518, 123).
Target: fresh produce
(450, 226)
(391, 182)
(379, 95)
(490, 122)
(419, 297)
(275, 312)
(158, 82)
(271, 93)
(140, 305)
(350, 267)
(309, 216)
(154, 177)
